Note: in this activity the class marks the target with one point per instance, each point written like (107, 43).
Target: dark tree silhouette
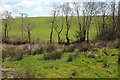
(60, 24)
(68, 13)
(55, 14)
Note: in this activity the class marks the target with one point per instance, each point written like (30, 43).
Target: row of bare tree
(104, 15)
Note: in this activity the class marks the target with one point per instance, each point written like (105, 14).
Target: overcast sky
(32, 7)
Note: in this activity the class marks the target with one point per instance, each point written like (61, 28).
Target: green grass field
(98, 64)
(82, 66)
(42, 29)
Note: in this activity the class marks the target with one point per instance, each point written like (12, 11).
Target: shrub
(18, 55)
(107, 34)
(85, 47)
(72, 57)
(38, 51)
(15, 52)
(4, 54)
(12, 52)
(50, 48)
(112, 44)
(69, 48)
(53, 55)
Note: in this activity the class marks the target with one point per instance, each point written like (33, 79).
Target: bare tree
(7, 23)
(79, 33)
(89, 10)
(118, 31)
(54, 13)
(108, 27)
(77, 8)
(114, 18)
(118, 23)
(28, 27)
(59, 27)
(113, 13)
(22, 29)
(68, 13)
(100, 19)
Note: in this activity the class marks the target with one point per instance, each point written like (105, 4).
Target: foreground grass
(83, 66)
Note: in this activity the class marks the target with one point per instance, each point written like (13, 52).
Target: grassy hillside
(94, 65)
(46, 60)
(42, 29)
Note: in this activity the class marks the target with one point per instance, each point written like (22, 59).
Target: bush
(50, 48)
(38, 51)
(69, 48)
(72, 57)
(12, 52)
(107, 34)
(53, 55)
(5, 54)
(112, 44)
(85, 47)
(18, 55)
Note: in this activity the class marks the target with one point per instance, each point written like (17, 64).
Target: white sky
(33, 7)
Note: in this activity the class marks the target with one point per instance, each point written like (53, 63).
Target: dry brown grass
(18, 51)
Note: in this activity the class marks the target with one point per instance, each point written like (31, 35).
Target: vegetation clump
(69, 48)
(53, 55)
(72, 57)
(38, 51)
(50, 48)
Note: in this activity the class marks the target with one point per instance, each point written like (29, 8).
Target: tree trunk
(103, 24)
(87, 35)
(79, 20)
(51, 34)
(67, 37)
(29, 37)
(59, 41)
(118, 27)
(113, 15)
(5, 32)
(67, 31)
(84, 35)
(84, 29)
(7, 35)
